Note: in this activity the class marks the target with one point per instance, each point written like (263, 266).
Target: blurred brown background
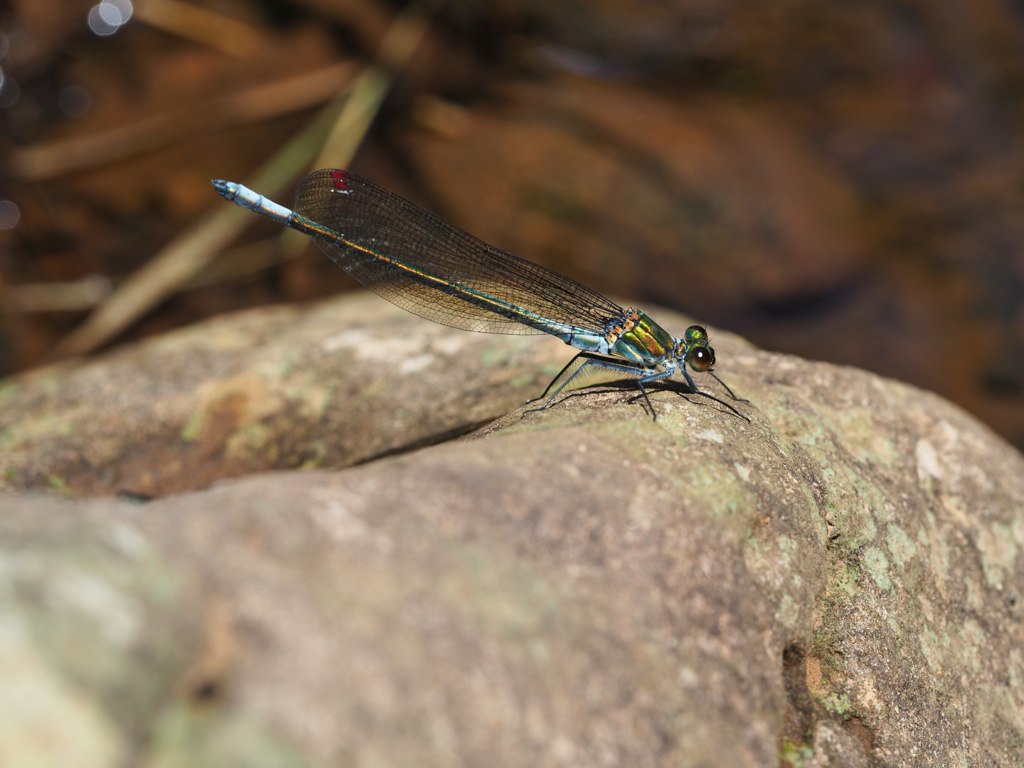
(843, 181)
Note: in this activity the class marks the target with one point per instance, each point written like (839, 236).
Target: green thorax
(640, 339)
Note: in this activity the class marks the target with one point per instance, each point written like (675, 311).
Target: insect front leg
(696, 391)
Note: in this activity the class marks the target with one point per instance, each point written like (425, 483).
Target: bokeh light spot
(109, 16)
(9, 214)
(9, 92)
(74, 101)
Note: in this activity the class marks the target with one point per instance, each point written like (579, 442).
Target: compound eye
(695, 333)
(701, 359)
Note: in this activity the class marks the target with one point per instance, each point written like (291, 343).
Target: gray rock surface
(327, 386)
(835, 583)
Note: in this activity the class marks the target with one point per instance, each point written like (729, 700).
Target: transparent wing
(432, 268)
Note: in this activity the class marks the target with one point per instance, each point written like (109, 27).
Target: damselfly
(432, 268)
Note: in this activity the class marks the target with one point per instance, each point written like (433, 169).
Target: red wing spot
(339, 181)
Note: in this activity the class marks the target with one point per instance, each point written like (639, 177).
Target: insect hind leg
(590, 360)
(559, 375)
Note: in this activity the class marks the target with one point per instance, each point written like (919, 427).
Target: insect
(432, 268)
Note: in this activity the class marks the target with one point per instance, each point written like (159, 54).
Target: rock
(330, 386)
(834, 583)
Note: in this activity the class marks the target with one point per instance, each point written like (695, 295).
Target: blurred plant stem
(332, 139)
